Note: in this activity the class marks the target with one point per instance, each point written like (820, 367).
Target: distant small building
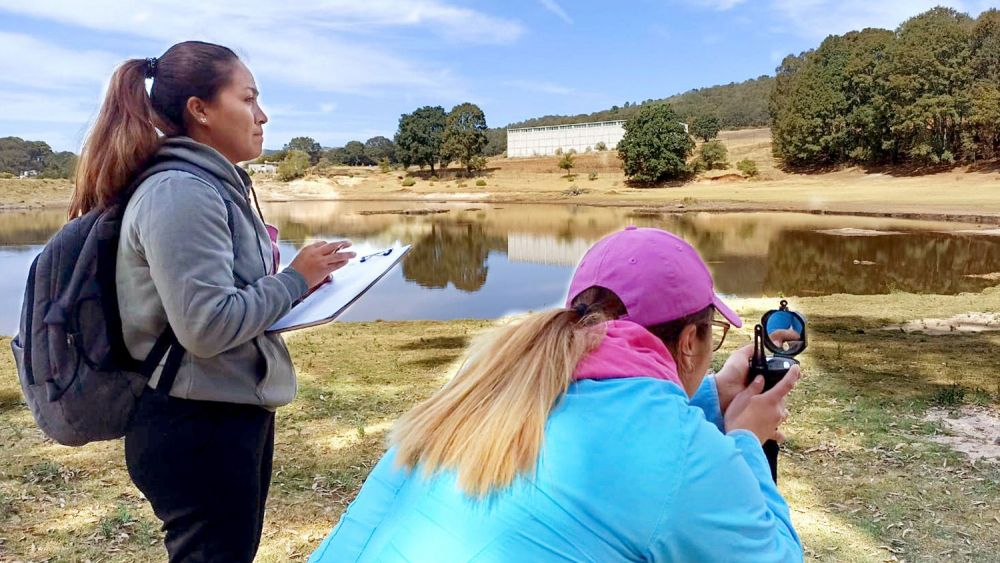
(580, 137)
(266, 168)
(28, 174)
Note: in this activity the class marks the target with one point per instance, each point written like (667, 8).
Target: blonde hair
(487, 424)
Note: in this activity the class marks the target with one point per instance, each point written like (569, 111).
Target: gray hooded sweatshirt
(179, 261)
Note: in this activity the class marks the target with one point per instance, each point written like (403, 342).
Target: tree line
(427, 137)
(927, 93)
(18, 156)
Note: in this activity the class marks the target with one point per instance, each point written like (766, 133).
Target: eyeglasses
(720, 329)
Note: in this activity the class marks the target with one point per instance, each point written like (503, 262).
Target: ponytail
(488, 422)
(122, 139)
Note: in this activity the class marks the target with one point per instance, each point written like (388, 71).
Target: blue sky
(343, 70)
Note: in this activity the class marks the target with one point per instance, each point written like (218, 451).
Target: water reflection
(455, 254)
(811, 263)
(482, 260)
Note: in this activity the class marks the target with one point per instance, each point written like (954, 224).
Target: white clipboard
(349, 283)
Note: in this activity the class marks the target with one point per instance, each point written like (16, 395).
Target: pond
(486, 260)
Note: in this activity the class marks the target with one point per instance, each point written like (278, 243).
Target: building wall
(543, 141)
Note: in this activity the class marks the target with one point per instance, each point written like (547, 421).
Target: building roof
(569, 126)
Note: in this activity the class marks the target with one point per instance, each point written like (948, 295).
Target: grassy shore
(965, 193)
(865, 479)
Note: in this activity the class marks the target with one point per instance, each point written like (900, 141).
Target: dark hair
(599, 304)
(124, 137)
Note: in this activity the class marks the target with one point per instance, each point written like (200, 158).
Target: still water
(472, 260)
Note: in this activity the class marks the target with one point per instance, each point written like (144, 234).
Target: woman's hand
(731, 380)
(762, 413)
(318, 260)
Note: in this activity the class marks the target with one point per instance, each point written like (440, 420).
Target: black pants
(206, 468)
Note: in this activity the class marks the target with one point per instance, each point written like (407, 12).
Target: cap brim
(726, 312)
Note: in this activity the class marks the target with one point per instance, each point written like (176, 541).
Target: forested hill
(736, 105)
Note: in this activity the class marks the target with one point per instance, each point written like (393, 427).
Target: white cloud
(320, 45)
(556, 9)
(29, 62)
(721, 5)
(328, 108)
(44, 107)
(539, 86)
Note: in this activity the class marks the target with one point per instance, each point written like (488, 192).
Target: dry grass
(864, 478)
(21, 194)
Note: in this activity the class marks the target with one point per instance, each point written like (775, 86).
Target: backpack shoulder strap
(167, 339)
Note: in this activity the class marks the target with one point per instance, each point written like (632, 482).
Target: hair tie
(582, 309)
(151, 67)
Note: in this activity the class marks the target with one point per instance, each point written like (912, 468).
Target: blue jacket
(630, 470)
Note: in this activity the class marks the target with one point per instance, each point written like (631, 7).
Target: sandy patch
(852, 232)
(974, 431)
(728, 178)
(992, 276)
(457, 195)
(991, 232)
(962, 323)
(347, 180)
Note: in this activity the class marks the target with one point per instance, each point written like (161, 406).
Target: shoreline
(667, 207)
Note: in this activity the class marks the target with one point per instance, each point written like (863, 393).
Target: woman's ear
(687, 348)
(196, 110)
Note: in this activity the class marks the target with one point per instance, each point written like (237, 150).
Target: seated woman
(588, 433)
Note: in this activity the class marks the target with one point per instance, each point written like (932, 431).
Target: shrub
(601, 146)
(592, 176)
(480, 182)
(567, 163)
(714, 155)
(477, 163)
(294, 166)
(748, 168)
(950, 396)
(409, 182)
(6, 176)
(384, 165)
(559, 151)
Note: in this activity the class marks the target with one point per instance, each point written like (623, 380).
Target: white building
(543, 141)
(28, 174)
(266, 168)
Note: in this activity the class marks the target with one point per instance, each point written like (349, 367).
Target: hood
(204, 156)
(628, 350)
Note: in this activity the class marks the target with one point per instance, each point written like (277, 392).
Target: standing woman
(196, 257)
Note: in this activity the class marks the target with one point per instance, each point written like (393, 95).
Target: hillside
(737, 105)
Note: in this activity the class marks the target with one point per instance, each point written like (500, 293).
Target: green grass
(863, 477)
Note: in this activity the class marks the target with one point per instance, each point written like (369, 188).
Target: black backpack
(78, 378)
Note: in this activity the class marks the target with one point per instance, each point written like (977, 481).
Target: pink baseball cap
(657, 275)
